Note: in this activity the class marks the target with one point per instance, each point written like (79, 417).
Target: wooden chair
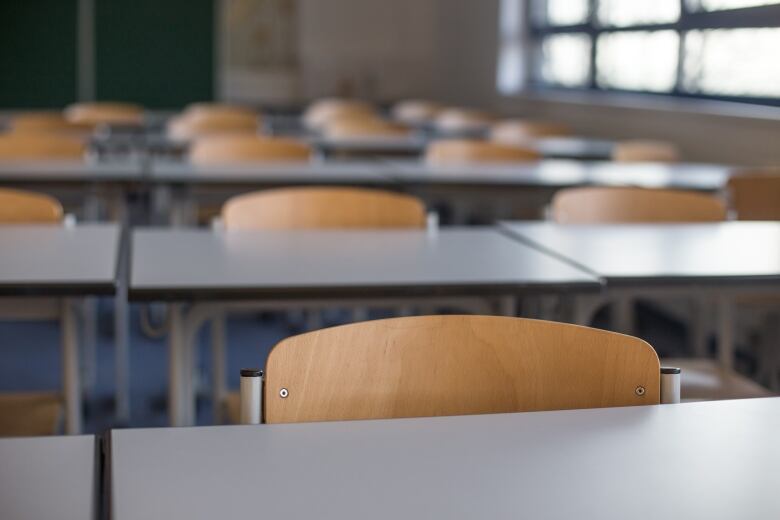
(238, 149)
(30, 414)
(415, 111)
(103, 112)
(321, 112)
(364, 127)
(40, 146)
(645, 151)
(46, 123)
(321, 208)
(595, 205)
(755, 196)
(522, 131)
(464, 151)
(462, 121)
(204, 119)
(26, 207)
(455, 365)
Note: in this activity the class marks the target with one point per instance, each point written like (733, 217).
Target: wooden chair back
(465, 151)
(46, 122)
(40, 146)
(26, 207)
(319, 113)
(357, 127)
(645, 151)
(104, 112)
(594, 205)
(428, 366)
(242, 148)
(202, 119)
(462, 120)
(755, 196)
(522, 131)
(415, 111)
(323, 208)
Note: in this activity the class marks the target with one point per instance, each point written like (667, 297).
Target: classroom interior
(389, 258)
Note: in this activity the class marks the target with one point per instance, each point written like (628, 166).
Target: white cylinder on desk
(250, 396)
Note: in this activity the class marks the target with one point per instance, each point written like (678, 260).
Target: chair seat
(704, 380)
(30, 414)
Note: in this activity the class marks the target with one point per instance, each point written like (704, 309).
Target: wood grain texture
(524, 131)
(238, 149)
(29, 414)
(454, 365)
(755, 196)
(645, 151)
(323, 207)
(104, 112)
(616, 205)
(27, 207)
(465, 151)
(40, 146)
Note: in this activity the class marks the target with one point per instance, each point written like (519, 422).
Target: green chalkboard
(158, 53)
(37, 53)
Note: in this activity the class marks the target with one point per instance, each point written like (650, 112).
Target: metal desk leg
(89, 343)
(70, 367)
(218, 354)
(177, 367)
(726, 332)
(624, 319)
(122, 360)
(507, 305)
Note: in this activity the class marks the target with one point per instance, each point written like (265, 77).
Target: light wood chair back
(323, 208)
(319, 113)
(416, 111)
(104, 112)
(242, 149)
(594, 205)
(40, 146)
(755, 196)
(45, 123)
(462, 120)
(427, 366)
(645, 151)
(465, 151)
(204, 119)
(522, 131)
(27, 207)
(357, 127)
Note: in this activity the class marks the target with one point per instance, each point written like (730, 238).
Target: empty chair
(237, 149)
(204, 119)
(455, 365)
(645, 151)
(46, 122)
(364, 127)
(522, 131)
(755, 196)
(323, 111)
(104, 112)
(27, 207)
(462, 121)
(415, 111)
(464, 151)
(634, 205)
(321, 207)
(40, 146)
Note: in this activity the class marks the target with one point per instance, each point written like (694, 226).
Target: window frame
(766, 16)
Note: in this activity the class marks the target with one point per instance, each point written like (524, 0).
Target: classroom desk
(51, 265)
(49, 477)
(581, 148)
(219, 270)
(716, 460)
(716, 259)
(377, 146)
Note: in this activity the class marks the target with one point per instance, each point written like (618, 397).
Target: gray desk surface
(719, 253)
(184, 264)
(564, 173)
(48, 260)
(48, 477)
(715, 460)
(582, 148)
(70, 171)
(405, 145)
(325, 172)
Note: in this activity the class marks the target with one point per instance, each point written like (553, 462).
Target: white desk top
(48, 260)
(713, 460)
(48, 477)
(183, 264)
(70, 171)
(716, 253)
(315, 172)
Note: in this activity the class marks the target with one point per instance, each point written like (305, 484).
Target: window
(724, 49)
